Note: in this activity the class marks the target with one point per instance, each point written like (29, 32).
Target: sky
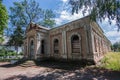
(63, 15)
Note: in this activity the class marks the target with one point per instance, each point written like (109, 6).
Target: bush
(20, 53)
(7, 60)
(7, 53)
(111, 61)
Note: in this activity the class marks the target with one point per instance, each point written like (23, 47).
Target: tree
(28, 11)
(25, 12)
(3, 19)
(16, 38)
(116, 46)
(48, 18)
(99, 9)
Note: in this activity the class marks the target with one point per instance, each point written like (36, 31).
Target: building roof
(83, 18)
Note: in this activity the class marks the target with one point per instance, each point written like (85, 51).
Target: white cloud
(114, 40)
(64, 1)
(113, 34)
(66, 16)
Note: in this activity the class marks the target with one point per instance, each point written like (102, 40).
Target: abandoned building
(76, 40)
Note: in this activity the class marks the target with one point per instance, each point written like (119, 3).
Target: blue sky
(61, 8)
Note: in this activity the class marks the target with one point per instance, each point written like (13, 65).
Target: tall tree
(48, 20)
(3, 20)
(16, 38)
(99, 9)
(116, 46)
(24, 12)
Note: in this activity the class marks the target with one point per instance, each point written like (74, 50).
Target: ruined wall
(79, 39)
(64, 35)
(101, 45)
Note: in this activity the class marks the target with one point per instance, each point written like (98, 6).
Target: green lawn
(111, 61)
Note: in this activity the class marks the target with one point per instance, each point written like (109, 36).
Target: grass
(111, 61)
(8, 60)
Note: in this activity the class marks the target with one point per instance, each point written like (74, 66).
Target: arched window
(42, 46)
(56, 46)
(75, 44)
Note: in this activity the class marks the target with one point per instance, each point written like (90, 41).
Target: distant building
(77, 40)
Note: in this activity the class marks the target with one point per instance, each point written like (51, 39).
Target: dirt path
(50, 71)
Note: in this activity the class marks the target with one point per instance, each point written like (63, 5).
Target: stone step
(28, 63)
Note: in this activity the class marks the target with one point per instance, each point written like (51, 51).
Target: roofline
(38, 25)
(70, 22)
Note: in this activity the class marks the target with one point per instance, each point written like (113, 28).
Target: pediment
(33, 26)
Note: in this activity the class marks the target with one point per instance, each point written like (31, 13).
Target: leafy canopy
(99, 9)
(24, 12)
(17, 37)
(3, 19)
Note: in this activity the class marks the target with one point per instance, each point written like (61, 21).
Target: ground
(55, 71)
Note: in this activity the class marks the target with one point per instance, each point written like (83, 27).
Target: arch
(56, 46)
(75, 44)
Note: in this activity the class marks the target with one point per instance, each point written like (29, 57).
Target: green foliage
(8, 55)
(111, 61)
(3, 19)
(48, 18)
(26, 11)
(99, 9)
(4, 52)
(116, 47)
(17, 37)
(20, 53)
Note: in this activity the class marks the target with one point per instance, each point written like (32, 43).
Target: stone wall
(64, 34)
(80, 39)
(101, 45)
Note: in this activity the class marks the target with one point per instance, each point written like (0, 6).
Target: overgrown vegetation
(3, 20)
(116, 47)
(111, 61)
(21, 15)
(8, 55)
(98, 9)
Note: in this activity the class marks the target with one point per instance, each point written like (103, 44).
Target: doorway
(31, 56)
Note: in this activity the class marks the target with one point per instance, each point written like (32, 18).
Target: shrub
(20, 53)
(111, 61)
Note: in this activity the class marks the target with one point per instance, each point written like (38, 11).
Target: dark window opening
(95, 44)
(42, 47)
(56, 46)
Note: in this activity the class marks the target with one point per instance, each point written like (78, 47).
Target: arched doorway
(31, 49)
(75, 44)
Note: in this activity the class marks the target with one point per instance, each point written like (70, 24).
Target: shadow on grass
(8, 65)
